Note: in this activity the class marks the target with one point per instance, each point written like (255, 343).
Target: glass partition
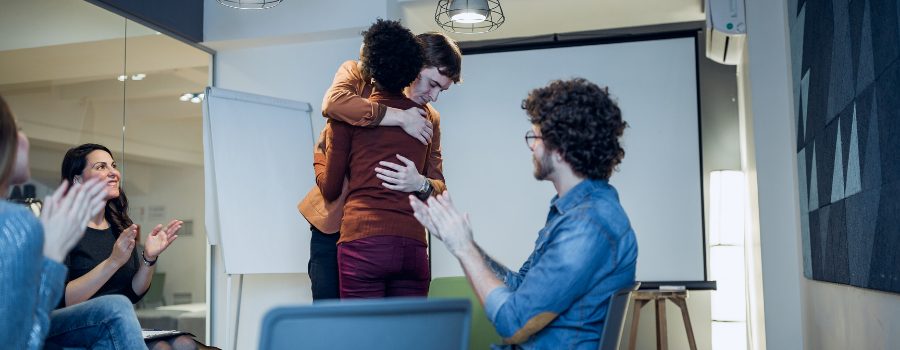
(60, 69)
(164, 152)
(75, 73)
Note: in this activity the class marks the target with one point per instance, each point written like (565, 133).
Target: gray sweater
(30, 284)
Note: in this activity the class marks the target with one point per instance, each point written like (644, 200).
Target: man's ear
(557, 156)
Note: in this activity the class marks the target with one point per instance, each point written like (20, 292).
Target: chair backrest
(398, 323)
(615, 317)
(154, 296)
(482, 333)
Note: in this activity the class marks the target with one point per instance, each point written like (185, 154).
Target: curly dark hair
(579, 120)
(391, 55)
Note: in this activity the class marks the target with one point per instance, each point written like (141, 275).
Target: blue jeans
(106, 322)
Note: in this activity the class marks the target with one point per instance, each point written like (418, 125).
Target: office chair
(394, 323)
(154, 296)
(482, 333)
(615, 317)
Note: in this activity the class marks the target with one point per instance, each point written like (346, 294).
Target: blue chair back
(615, 317)
(396, 324)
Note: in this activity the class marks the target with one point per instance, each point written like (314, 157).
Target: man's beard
(543, 167)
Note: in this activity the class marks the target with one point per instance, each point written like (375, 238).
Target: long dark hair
(8, 143)
(117, 208)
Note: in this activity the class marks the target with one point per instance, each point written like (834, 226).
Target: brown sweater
(354, 152)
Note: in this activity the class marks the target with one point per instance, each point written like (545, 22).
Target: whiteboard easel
(257, 160)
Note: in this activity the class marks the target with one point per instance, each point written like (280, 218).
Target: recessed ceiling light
(192, 97)
(250, 4)
(122, 78)
(139, 76)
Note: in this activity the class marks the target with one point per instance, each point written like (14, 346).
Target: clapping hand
(160, 239)
(66, 213)
(124, 245)
(445, 222)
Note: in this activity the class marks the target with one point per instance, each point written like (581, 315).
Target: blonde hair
(8, 142)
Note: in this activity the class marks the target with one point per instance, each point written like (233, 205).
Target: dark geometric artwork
(845, 59)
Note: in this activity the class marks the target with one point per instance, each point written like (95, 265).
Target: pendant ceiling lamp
(250, 4)
(469, 16)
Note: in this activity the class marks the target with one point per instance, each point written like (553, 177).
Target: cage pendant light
(250, 4)
(469, 16)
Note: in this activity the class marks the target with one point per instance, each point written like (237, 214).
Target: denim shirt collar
(576, 194)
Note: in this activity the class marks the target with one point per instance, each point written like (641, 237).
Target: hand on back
(416, 125)
(403, 178)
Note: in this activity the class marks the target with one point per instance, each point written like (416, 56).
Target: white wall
(843, 317)
(771, 167)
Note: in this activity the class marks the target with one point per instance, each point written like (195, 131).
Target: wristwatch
(148, 262)
(425, 190)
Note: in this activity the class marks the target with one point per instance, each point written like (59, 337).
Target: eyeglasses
(530, 139)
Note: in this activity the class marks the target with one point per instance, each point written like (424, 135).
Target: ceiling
(297, 21)
(526, 18)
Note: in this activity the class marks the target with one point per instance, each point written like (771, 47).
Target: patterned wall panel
(846, 75)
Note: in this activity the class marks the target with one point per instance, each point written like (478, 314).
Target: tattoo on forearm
(499, 270)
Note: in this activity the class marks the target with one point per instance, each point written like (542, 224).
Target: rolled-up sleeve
(510, 279)
(572, 258)
(346, 101)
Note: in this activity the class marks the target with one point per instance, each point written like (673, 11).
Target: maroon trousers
(383, 266)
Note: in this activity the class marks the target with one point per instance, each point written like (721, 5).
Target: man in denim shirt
(559, 297)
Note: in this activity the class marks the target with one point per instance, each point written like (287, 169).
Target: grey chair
(154, 296)
(395, 323)
(615, 317)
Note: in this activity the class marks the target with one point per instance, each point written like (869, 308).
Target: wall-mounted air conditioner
(726, 30)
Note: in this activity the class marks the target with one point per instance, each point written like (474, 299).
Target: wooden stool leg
(687, 322)
(662, 342)
(632, 337)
